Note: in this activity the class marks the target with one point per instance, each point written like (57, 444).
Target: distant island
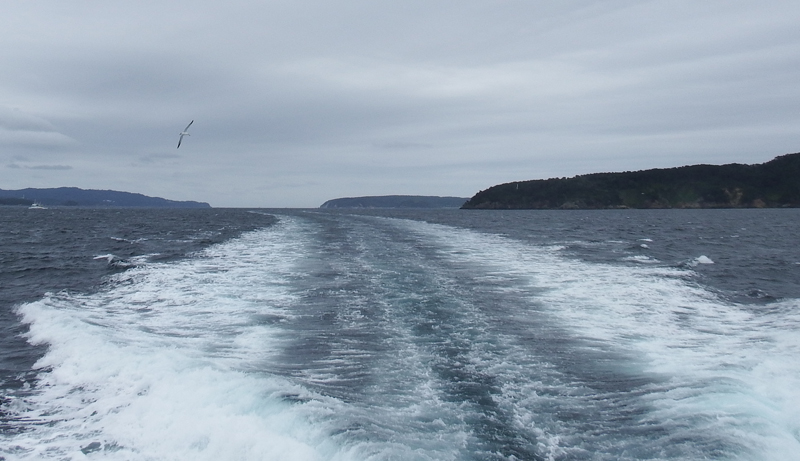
(769, 185)
(396, 201)
(73, 196)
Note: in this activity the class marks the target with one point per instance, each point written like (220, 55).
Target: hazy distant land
(769, 185)
(73, 196)
(396, 201)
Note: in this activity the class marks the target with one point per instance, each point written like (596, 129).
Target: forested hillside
(772, 184)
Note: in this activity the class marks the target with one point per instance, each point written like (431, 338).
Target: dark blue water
(756, 252)
(54, 250)
(400, 334)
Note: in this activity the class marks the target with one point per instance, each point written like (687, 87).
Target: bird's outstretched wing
(184, 133)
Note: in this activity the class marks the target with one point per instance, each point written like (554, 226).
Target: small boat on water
(37, 206)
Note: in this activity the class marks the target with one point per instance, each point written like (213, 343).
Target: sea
(309, 334)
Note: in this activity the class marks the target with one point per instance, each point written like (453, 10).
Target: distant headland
(396, 201)
(73, 196)
(772, 184)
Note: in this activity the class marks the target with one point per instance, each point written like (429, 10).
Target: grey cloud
(39, 167)
(336, 97)
(18, 128)
(157, 158)
(403, 145)
(49, 167)
(13, 119)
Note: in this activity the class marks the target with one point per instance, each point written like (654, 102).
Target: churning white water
(331, 337)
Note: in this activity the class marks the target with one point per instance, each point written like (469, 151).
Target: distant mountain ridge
(396, 201)
(772, 184)
(73, 196)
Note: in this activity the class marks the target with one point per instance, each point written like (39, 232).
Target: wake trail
(342, 337)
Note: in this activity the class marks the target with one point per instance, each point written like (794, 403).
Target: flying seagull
(185, 132)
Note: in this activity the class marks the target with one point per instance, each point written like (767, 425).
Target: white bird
(185, 132)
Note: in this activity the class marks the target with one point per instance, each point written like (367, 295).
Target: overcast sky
(296, 102)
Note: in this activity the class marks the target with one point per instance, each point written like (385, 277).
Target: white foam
(169, 363)
(173, 362)
(641, 259)
(703, 259)
(115, 261)
(730, 373)
(156, 367)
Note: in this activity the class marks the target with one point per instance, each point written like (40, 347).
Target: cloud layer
(299, 102)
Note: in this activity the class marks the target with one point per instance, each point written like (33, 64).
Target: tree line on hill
(395, 201)
(73, 196)
(772, 184)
